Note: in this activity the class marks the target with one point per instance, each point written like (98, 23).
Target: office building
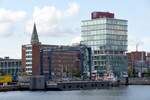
(10, 67)
(66, 62)
(138, 61)
(107, 36)
(135, 56)
(55, 62)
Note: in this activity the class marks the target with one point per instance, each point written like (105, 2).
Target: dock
(81, 85)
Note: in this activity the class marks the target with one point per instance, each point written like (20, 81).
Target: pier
(81, 85)
(72, 85)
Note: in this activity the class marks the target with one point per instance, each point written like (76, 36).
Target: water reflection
(121, 93)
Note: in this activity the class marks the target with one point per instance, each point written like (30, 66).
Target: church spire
(34, 38)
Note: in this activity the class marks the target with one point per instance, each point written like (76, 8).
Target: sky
(59, 21)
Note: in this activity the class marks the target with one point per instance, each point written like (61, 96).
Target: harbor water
(132, 92)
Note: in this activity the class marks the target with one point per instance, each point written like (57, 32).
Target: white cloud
(51, 21)
(11, 16)
(8, 19)
(76, 40)
(73, 9)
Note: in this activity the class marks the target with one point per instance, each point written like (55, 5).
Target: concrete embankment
(136, 81)
(78, 85)
(65, 85)
(82, 85)
(9, 88)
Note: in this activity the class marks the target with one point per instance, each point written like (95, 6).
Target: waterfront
(132, 92)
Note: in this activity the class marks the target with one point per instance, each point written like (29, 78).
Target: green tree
(76, 73)
(130, 71)
(147, 73)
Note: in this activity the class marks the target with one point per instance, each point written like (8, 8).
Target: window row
(105, 42)
(104, 21)
(93, 22)
(28, 52)
(100, 27)
(98, 32)
(10, 64)
(110, 58)
(108, 37)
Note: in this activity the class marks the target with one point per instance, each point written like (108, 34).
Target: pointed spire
(34, 38)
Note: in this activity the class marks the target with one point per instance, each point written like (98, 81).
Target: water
(121, 93)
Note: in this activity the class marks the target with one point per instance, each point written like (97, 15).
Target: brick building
(137, 60)
(148, 60)
(136, 56)
(66, 62)
(148, 56)
(54, 61)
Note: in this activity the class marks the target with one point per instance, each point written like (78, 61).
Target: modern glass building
(107, 36)
(10, 67)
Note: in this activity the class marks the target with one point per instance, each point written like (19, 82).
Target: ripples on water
(121, 93)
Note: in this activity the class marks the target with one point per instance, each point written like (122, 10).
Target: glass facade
(10, 67)
(108, 39)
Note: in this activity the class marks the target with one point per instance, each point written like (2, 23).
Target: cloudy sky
(58, 21)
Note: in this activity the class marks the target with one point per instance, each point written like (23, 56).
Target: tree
(76, 73)
(147, 73)
(22, 74)
(130, 71)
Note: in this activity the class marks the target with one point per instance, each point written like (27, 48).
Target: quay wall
(84, 85)
(9, 88)
(136, 81)
(79, 85)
